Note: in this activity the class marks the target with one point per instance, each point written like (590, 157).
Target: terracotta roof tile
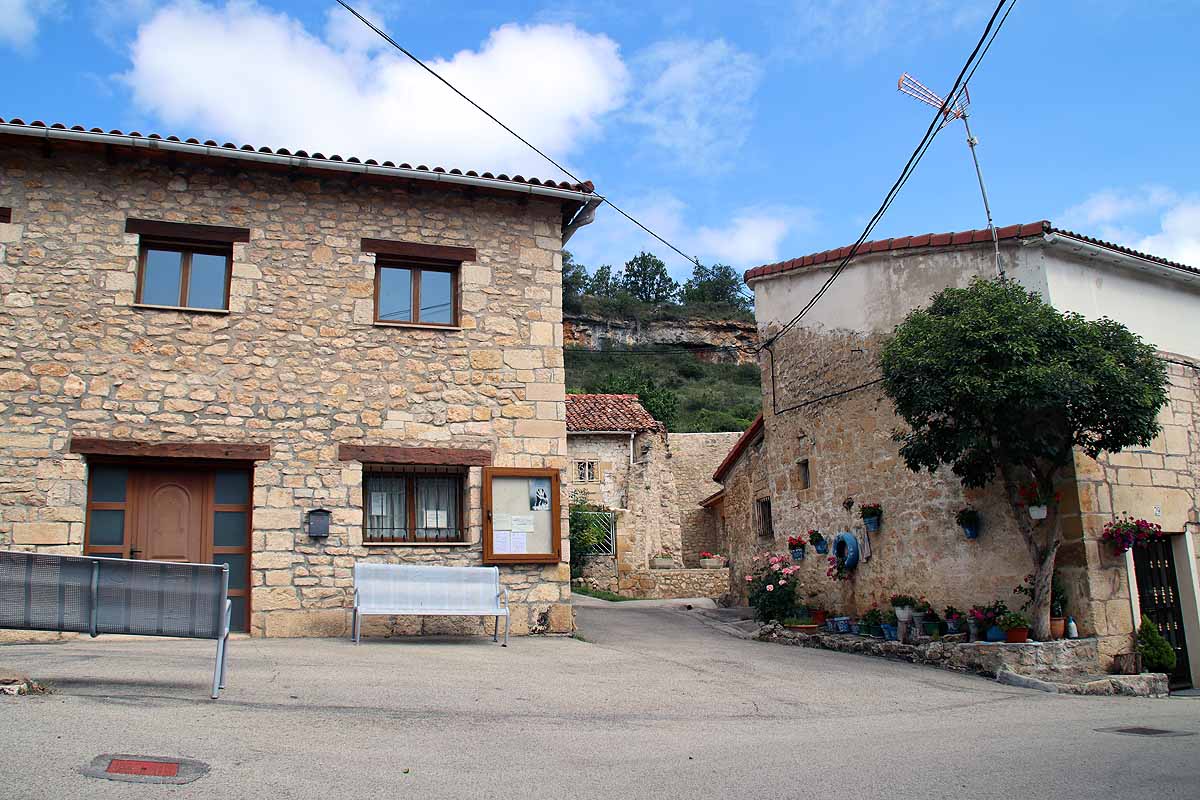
(950, 240)
(586, 187)
(608, 412)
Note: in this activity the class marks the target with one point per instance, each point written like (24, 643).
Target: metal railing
(604, 524)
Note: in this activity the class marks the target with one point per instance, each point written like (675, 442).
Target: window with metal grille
(586, 472)
(765, 528)
(413, 507)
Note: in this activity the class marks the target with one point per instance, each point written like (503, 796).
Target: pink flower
(770, 587)
(749, 579)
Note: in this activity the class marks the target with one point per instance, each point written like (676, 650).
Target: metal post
(95, 615)
(223, 612)
(971, 142)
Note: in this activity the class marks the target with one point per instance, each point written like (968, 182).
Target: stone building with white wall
(201, 345)
(649, 481)
(824, 441)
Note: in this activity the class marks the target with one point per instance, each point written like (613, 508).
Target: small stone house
(287, 362)
(823, 445)
(650, 482)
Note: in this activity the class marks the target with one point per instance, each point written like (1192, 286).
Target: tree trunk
(1042, 539)
(1039, 609)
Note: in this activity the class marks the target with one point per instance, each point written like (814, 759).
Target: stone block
(41, 533)
(328, 622)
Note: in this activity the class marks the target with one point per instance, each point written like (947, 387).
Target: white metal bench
(414, 590)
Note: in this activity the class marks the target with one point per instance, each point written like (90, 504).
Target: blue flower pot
(890, 633)
(971, 531)
(822, 548)
(995, 634)
(871, 523)
(798, 553)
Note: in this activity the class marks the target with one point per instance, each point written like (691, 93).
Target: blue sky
(745, 132)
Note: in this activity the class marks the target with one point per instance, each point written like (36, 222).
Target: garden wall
(694, 458)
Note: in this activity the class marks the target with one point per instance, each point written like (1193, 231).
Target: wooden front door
(170, 517)
(167, 512)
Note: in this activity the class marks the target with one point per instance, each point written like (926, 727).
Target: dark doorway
(1158, 593)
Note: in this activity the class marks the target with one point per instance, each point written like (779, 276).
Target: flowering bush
(986, 616)
(869, 510)
(707, 554)
(796, 541)
(952, 614)
(772, 589)
(1126, 532)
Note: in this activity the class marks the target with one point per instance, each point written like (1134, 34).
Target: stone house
(286, 362)
(823, 445)
(650, 482)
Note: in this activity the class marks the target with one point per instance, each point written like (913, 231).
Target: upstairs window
(586, 472)
(419, 294)
(184, 275)
(184, 265)
(766, 529)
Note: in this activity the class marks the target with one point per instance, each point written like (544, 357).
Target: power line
(519, 137)
(909, 167)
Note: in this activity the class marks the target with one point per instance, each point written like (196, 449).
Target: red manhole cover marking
(157, 769)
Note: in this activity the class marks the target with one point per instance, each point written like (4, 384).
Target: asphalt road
(652, 703)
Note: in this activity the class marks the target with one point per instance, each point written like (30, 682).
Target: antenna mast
(952, 109)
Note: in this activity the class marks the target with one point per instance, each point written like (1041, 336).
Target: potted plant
(801, 625)
(1015, 626)
(819, 542)
(1126, 532)
(771, 587)
(903, 604)
(969, 520)
(995, 611)
(920, 610)
(870, 623)
(1058, 603)
(871, 514)
(931, 624)
(1036, 500)
(662, 559)
(796, 547)
(1156, 652)
(891, 626)
(954, 619)
(819, 615)
(711, 560)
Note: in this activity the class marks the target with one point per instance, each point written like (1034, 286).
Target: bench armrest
(503, 594)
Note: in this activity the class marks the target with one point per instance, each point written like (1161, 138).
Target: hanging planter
(1127, 532)
(1039, 512)
(970, 521)
(819, 542)
(1037, 501)
(796, 546)
(871, 514)
(844, 558)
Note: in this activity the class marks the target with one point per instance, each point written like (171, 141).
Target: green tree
(992, 381)
(718, 284)
(605, 283)
(661, 402)
(574, 281)
(647, 280)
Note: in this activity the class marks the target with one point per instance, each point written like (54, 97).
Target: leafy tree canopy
(606, 283)
(646, 279)
(575, 281)
(991, 376)
(661, 402)
(718, 284)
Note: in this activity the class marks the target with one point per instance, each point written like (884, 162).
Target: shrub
(586, 535)
(772, 588)
(1157, 653)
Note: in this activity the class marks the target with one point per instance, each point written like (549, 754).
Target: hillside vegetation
(678, 389)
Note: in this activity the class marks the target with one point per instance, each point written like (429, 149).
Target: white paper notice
(522, 523)
(502, 521)
(436, 518)
(517, 542)
(377, 505)
(500, 542)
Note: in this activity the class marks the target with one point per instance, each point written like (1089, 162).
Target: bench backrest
(408, 586)
(108, 595)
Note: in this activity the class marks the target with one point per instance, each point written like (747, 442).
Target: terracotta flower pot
(1058, 627)
(1016, 635)
(803, 628)
(819, 617)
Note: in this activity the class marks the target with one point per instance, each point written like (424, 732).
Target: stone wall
(694, 459)
(663, 584)
(596, 333)
(296, 362)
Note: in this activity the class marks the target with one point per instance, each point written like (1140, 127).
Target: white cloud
(1153, 219)
(695, 99)
(344, 31)
(20, 20)
(855, 29)
(244, 72)
(113, 20)
(751, 236)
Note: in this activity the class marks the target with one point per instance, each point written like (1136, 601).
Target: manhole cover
(1143, 731)
(144, 769)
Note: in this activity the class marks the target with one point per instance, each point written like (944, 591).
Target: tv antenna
(952, 109)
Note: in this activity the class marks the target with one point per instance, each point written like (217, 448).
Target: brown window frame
(416, 267)
(411, 476)
(766, 526)
(187, 248)
(491, 557)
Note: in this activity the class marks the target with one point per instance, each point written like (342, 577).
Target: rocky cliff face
(596, 333)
